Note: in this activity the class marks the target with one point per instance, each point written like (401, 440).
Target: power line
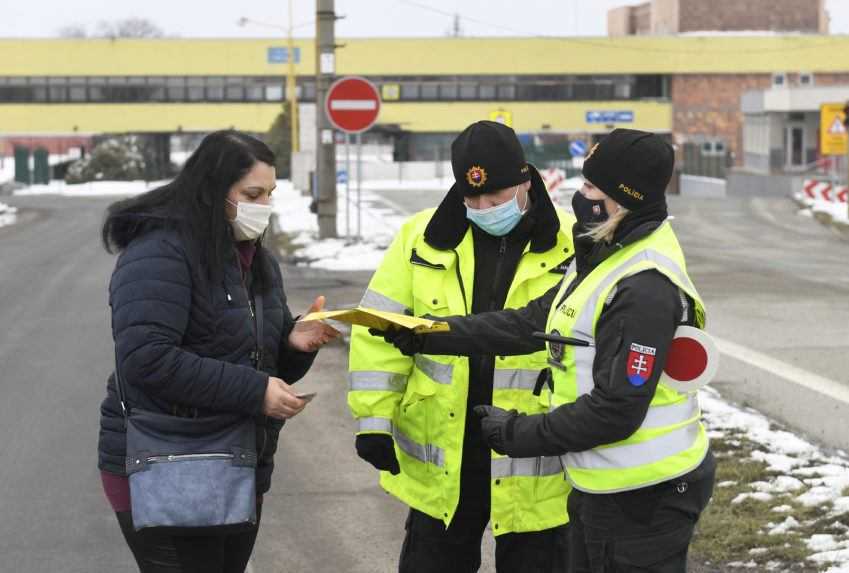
(615, 46)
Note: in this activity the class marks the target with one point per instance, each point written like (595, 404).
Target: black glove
(497, 426)
(404, 339)
(379, 451)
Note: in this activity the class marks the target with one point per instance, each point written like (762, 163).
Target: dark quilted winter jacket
(183, 342)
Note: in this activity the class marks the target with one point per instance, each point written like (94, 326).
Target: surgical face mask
(588, 211)
(251, 220)
(499, 220)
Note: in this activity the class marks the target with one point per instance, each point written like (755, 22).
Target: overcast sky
(216, 18)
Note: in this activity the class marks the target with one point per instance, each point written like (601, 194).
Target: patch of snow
(91, 189)
(821, 542)
(757, 496)
(8, 214)
(380, 223)
(727, 483)
(781, 484)
(784, 526)
(758, 551)
(782, 508)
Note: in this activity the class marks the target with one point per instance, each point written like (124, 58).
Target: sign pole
(359, 184)
(347, 185)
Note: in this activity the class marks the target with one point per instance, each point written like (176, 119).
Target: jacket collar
(449, 225)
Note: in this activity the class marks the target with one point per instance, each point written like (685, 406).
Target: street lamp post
(291, 85)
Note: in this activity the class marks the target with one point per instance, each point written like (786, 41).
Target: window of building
(176, 88)
(253, 89)
(195, 88)
(486, 92)
(273, 92)
(391, 92)
(507, 91)
(779, 80)
(806, 79)
(429, 91)
(448, 91)
(214, 89)
(307, 91)
(409, 90)
(468, 91)
(234, 89)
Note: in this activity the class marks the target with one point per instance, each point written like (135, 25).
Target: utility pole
(291, 88)
(325, 70)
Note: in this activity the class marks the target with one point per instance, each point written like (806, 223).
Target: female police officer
(634, 449)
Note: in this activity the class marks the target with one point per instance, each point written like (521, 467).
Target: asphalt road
(776, 286)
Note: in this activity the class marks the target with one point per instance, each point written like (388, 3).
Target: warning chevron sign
(833, 137)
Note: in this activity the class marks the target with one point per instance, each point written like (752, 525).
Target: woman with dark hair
(185, 326)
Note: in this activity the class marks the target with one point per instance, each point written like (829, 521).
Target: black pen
(562, 339)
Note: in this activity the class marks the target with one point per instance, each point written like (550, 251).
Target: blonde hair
(604, 231)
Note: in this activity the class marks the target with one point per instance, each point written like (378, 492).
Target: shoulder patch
(640, 363)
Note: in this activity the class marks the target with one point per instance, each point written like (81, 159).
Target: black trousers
(431, 548)
(157, 552)
(646, 530)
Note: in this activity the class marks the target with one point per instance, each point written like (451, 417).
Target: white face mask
(251, 220)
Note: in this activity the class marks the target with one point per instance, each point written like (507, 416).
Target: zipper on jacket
(187, 457)
(502, 249)
(460, 281)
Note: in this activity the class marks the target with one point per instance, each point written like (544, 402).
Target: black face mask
(587, 211)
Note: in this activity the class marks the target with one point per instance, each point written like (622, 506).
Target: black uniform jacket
(645, 309)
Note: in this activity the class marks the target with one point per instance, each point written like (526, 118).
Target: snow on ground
(379, 225)
(91, 189)
(8, 214)
(7, 169)
(805, 473)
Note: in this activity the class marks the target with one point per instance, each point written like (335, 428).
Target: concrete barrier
(697, 186)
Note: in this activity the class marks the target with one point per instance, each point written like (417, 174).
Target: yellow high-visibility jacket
(421, 401)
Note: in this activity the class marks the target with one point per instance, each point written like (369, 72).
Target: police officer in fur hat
(496, 241)
(634, 449)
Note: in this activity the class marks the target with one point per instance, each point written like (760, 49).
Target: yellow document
(379, 319)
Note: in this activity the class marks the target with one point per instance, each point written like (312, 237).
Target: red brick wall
(709, 105)
(728, 15)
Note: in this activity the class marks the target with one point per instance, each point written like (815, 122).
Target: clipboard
(379, 319)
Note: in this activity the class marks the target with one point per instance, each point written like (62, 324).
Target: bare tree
(129, 28)
(72, 31)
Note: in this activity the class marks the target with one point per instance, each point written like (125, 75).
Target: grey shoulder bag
(191, 475)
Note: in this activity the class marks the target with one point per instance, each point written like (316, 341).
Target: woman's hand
(280, 401)
(312, 335)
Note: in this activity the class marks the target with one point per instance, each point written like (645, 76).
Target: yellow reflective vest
(671, 440)
(421, 402)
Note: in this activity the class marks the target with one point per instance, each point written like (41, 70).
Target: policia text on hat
(634, 449)
(496, 241)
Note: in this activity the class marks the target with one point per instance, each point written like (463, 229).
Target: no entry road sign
(352, 104)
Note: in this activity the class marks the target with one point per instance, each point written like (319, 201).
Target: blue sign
(610, 117)
(342, 176)
(280, 55)
(578, 148)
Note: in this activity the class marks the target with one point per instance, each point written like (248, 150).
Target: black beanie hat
(631, 167)
(488, 157)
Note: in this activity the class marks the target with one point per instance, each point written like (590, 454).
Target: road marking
(785, 371)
